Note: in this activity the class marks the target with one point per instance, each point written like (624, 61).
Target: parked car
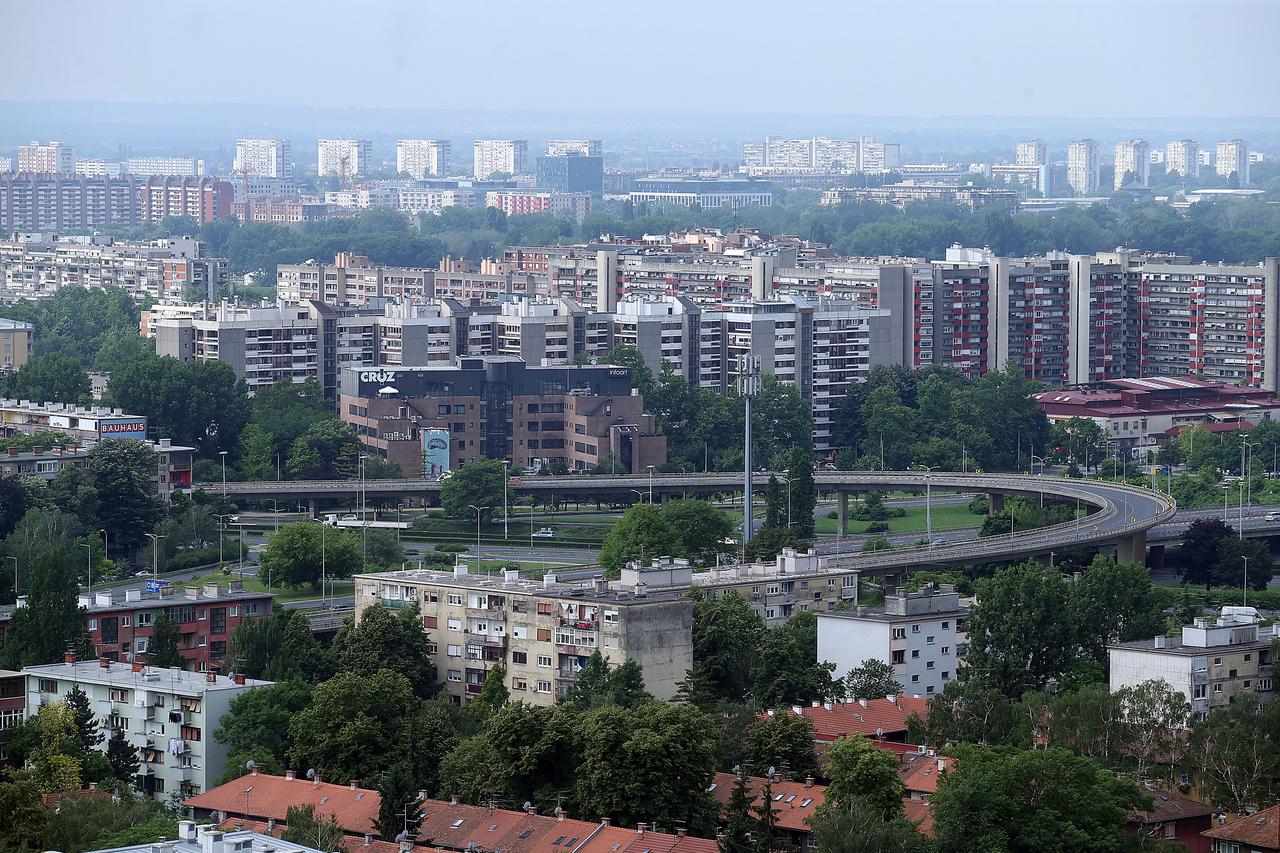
(545, 533)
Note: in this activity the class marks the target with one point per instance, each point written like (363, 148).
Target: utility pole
(748, 387)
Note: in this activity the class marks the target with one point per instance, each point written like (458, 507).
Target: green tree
(786, 669)
(55, 761)
(857, 827)
(775, 504)
(871, 679)
(197, 403)
(80, 822)
(726, 631)
(1018, 638)
(50, 378)
(802, 493)
(53, 621)
(1236, 756)
(355, 724)
(478, 483)
(302, 554)
(257, 453)
(860, 770)
(399, 808)
(286, 410)
(74, 493)
(700, 527)
(119, 346)
(492, 696)
(124, 477)
(1229, 567)
(599, 684)
(383, 640)
(1199, 549)
(123, 757)
(303, 826)
(87, 735)
(328, 450)
(301, 655)
(23, 815)
(653, 762)
(257, 723)
(781, 420)
(643, 533)
(739, 834)
(1031, 800)
(783, 741)
(382, 550)
(1114, 603)
(166, 637)
(1154, 721)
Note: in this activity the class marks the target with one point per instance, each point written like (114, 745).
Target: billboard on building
(435, 452)
(123, 428)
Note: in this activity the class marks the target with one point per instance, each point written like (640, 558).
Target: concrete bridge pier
(843, 513)
(1132, 549)
(995, 503)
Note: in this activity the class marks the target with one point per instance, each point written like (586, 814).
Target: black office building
(571, 173)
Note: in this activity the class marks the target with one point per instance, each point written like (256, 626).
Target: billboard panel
(435, 452)
(123, 428)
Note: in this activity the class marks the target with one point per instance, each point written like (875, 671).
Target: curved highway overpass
(1121, 515)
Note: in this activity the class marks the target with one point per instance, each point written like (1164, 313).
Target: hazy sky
(1102, 58)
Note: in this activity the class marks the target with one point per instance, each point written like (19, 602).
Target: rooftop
(871, 717)
(909, 607)
(510, 582)
(1166, 806)
(261, 795)
(795, 801)
(137, 598)
(210, 839)
(140, 677)
(1261, 830)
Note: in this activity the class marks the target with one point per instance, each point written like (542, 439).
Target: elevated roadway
(1120, 515)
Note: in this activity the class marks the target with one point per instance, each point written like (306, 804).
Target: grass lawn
(281, 593)
(945, 517)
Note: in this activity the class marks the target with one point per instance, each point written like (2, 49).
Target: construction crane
(244, 172)
(343, 162)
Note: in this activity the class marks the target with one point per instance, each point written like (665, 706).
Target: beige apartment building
(543, 632)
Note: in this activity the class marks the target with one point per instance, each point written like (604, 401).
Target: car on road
(142, 574)
(544, 533)
(1272, 516)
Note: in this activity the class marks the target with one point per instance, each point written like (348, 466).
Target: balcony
(487, 640)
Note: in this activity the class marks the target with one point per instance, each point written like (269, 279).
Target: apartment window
(929, 690)
(1217, 688)
(432, 648)
(140, 644)
(204, 641)
(520, 632)
(454, 624)
(946, 675)
(93, 624)
(1198, 691)
(544, 635)
(453, 651)
(1247, 684)
(946, 625)
(928, 641)
(144, 618)
(770, 612)
(915, 679)
(899, 633)
(218, 620)
(430, 622)
(1217, 661)
(544, 661)
(191, 733)
(899, 656)
(48, 685)
(235, 611)
(455, 599)
(946, 650)
(544, 687)
(915, 654)
(928, 665)
(611, 616)
(455, 675)
(201, 615)
(915, 629)
(545, 608)
(521, 658)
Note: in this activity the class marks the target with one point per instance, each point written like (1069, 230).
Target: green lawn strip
(945, 517)
(282, 593)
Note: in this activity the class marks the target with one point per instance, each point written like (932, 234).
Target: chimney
(289, 776)
(862, 702)
(138, 666)
(315, 780)
(826, 706)
(640, 828)
(37, 450)
(453, 799)
(238, 678)
(368, 839)
(815, 703)
(253, 770)
(271, 825)
(559, 813)
(187, 830)
(211, 677)
(808, 781)
(13, 451)
(679, 832)
(531, 811)
(211, 842)
(69, 658)
(353, 784)
(93, 786)
(104, 663)
(942, 764)
(607, 821)
(1159, 642)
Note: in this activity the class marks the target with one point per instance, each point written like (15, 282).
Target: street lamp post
(1246, 580)
(275, 513)
(928, 504)
(90, 563)
(506, 514)
(479, 564)
(364, 520)
(155, 554)
(650, 467)
(223, 454)
(222, 527)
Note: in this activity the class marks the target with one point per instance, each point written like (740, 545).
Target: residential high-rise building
(330, 154)
(513, 202)
(160, 167)
(708, 193)
(877, 157)
(1233, 159)
(1083, 168)
(1031, 153)
(505, 156)
(584, 147)
(265, 158)
(571, 173)
(1133, 163)
(53, 158)
(201, 199)
(1182, 157)
(59, 203)
(541, 632)
(419, 158)
(168, 714)
(835, 155)
(97, 167)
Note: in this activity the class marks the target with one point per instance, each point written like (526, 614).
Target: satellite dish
(772, 770)
(250, 764)
(311, 773)
(403, 836)
(527, 805)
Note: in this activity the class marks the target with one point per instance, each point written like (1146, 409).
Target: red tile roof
(920, 771)
(355, 843)
(795, 802)
(920, 813)
(356, 809)
(1166, 806)
(1260, 831)
(878, 718)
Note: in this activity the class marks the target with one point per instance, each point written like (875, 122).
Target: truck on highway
(335, 520)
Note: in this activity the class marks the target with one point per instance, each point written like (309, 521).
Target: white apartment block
(357, 153)
(1233, 159)
(835, 155)
(584, 147)
(264, 158)
(415, 200)
(1033, 152)
(515, 202)
(168, 714)
(420, 158)
(1206, 157)
(1133, 157)
(877, 157)
(1083, 167)
(921, 635)
(97, 167)
(164, 167)
(1215, 660)
(350, 280)
(6, 164)
(541, 632)
(53, 158)
(492, 156)
(1183, 158)
(364, 198)
(160, 269)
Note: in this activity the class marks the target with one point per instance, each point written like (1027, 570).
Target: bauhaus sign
(127, 428)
